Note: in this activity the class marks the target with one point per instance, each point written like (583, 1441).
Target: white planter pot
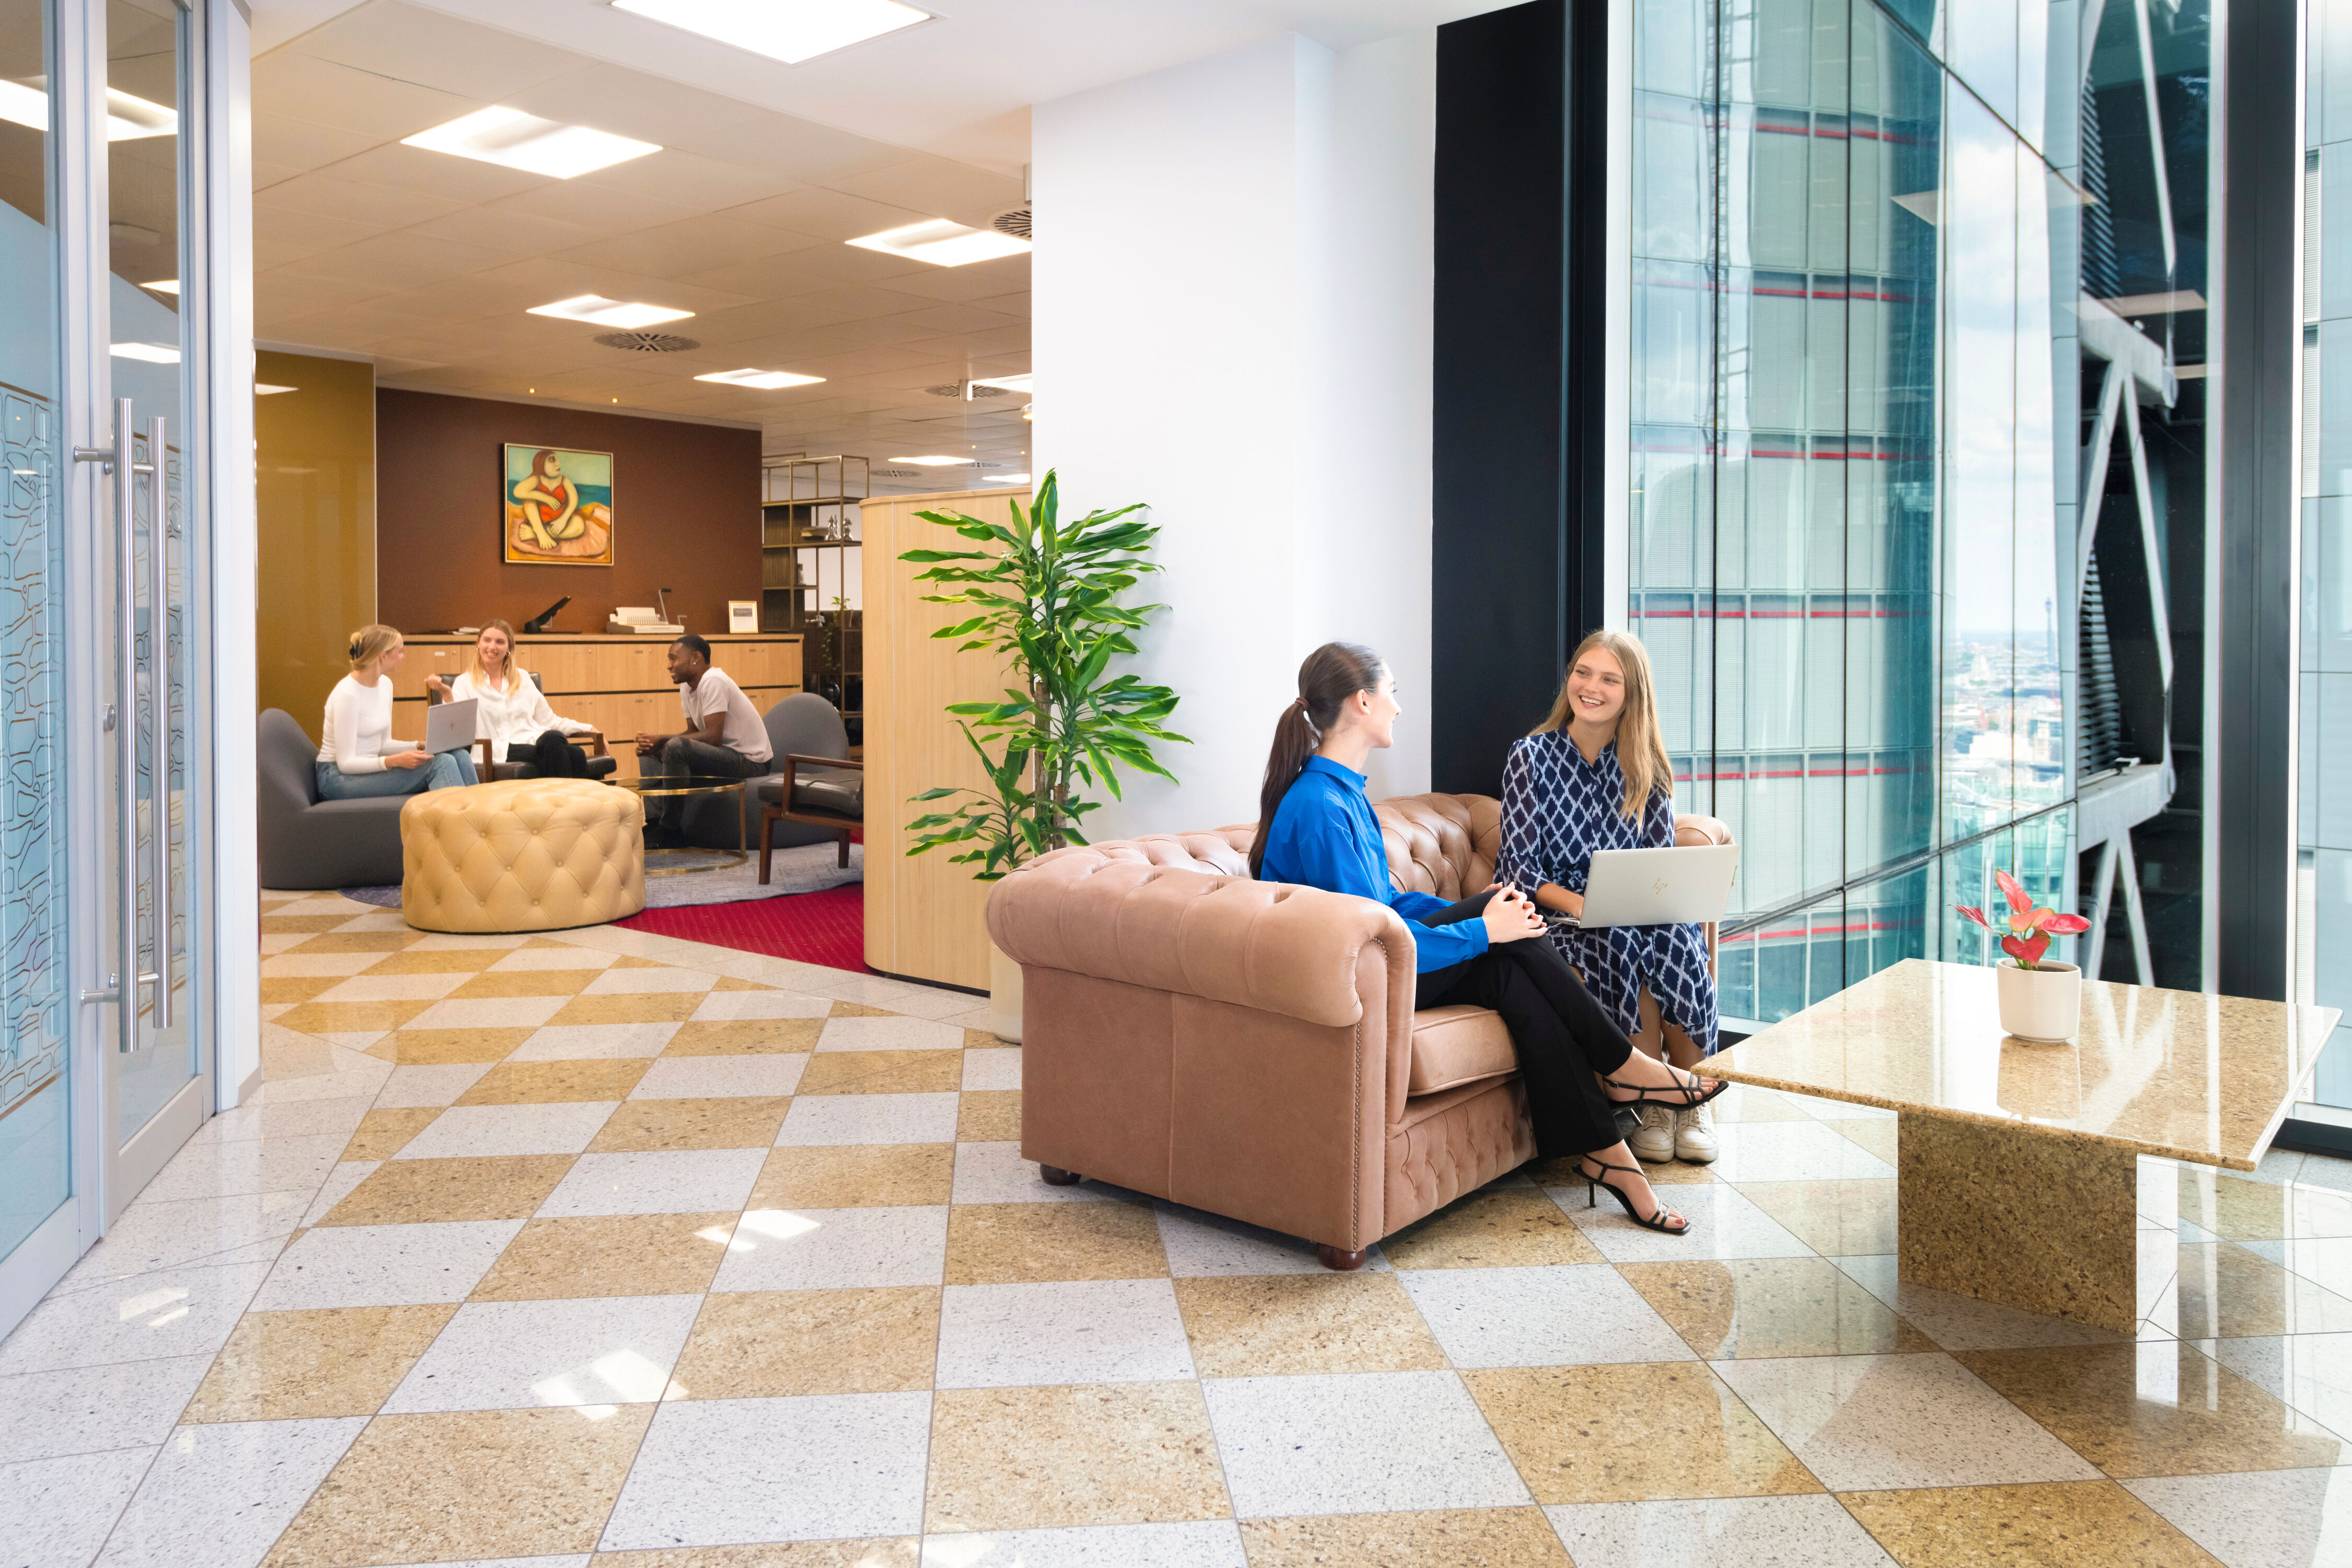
(2044, 1002)
(1003, 996)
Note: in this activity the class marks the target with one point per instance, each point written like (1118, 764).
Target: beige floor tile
(627, 961)
(744, 1037)
(1032, 1459)
(2050, 1524)
(881, 1072)
(525, 982)
(646, 1126)
(987, 1115)
(609, 1254)
(982, 1040)
(729, 982)
(296, 987)
(383, 1132)
(1875, 1133)
(855, 1176)
(2157, 1408)
(424, 1192)
(1633, 1434)
(2228, 1292)
(631, 1007)
(556, 1083)
(333, 941)
(860, 1010)
(1770, 1307)
(1004, 1243)
(1268, 1325)
(1562, 1173)
(480, 1484)
(289, 1366)
(436, 960)
(1445, 1538)
(766, 1345)
(440, 1048)
(874, 1554)
(349, 1018)
(279, 925)
(1495, 1227)
(1839, 1219)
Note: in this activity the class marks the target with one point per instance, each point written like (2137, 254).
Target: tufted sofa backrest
(1444, 845)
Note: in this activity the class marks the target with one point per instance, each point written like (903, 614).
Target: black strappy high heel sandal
(1655, 1222)
(1681, 1096)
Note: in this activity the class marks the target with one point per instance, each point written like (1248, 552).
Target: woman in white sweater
(512, 712)
(358, 757)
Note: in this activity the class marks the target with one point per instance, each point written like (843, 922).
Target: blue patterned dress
(1557, 809)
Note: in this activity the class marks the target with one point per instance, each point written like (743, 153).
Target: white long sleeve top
(358, 730)
(515, 717)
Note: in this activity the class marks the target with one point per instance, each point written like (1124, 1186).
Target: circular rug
(805, 869)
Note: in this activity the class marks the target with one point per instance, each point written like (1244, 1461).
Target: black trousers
(1564, 1037)
(552, 756)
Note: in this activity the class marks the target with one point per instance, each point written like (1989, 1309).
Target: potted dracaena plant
(2040, 998)
(1045, 598)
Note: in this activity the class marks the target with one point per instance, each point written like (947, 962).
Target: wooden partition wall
(620, 684)
(924, 916)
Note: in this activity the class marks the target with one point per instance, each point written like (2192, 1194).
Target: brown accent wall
(314, 493)
(686, 515)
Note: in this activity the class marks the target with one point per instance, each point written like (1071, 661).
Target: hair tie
(354, 653)
(1301, 706)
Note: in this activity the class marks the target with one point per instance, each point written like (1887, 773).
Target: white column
(1232, 321)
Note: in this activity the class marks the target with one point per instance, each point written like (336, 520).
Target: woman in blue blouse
(1594, 775)
(1315, 827)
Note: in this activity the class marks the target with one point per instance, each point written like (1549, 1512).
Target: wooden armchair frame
(780, 810)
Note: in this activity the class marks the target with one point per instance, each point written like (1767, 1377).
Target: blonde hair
(371, 643)
(474, 656)
(1641, 746)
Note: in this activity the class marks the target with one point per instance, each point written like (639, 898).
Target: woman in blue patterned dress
(1594, 775)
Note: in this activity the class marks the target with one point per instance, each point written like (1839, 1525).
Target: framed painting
(558, 506)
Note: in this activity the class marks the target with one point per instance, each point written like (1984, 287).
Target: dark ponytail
(1332, 674)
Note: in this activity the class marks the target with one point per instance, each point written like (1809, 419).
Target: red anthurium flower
(1972, 912)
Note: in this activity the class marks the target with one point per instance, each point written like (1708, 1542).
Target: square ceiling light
(942, 244)
(787, 30)
(600, 311)
(765, 380)
(128, 118)
(154, 353)
(1004, 479)
(935, 461)
(518, 141)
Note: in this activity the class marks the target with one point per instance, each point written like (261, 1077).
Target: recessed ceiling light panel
(943, 244)
(1006, 383)
(603, 312)
(154, 353)
(935, 461)
(263, 389)
(765, 380)
(1004, 479)
(787, 30)
(128, 118)
(163, 286)
(514, 140)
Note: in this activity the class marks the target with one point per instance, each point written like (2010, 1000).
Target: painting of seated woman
(558, 507)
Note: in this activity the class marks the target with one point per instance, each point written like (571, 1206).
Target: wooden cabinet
(621, 685)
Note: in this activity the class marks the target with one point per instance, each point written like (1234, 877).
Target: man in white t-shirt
(724, 737)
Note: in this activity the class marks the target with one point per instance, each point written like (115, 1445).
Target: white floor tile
(2311, 1373)
(418, 1086)
(462, 942)
(930, 1002)
(2325, 1261)
(353, 1083)
(337, 1186)
(394, 988)
(992, 1067)
(686, 1180)
(464, 1130)
(734, 1006)
(834, 1249)
(306, 1119)
(90, 1409)
(316, 965)
(1724, 1223)
(1793, 1152)
(1563, 1315)
(489, 1013)
(147, 1236)
(1357, 1443)
(1755, 1532)
(639, 981)
(996, 1173)
(508, 1356)
(716, 1472)
(888, 1035)
(59, 1510)
(867, 1119)
(219, 1494)
(1092, 1330)
(146, 1317)
(553, 958)
(385, 1265)
(593, 1042)
(721, 1078)
(1836, 1110)
(1208, 1543)
(1962, 1322)
(2269, 1519)
(1202, 1243)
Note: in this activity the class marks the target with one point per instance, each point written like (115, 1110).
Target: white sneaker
(1695, 1138)
(1655, 1141)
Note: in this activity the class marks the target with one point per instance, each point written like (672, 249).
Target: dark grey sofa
(307, 842)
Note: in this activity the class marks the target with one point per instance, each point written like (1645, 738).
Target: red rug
(827, 928)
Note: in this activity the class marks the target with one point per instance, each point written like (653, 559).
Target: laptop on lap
(449, 726)
(1681, 886)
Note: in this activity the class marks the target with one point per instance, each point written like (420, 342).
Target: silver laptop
(449, 726)
(1659, 887)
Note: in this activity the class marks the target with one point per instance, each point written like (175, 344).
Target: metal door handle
(159, 693)
(126, 733)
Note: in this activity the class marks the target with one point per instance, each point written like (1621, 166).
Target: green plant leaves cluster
(1045, 599)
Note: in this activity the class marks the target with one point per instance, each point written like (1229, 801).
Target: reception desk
(619, 684)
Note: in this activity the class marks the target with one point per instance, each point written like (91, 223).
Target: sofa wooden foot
(1333, 1258)
(1058, 1178)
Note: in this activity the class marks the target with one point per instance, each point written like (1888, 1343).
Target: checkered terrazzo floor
(611, 1247)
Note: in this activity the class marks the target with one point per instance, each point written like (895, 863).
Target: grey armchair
(307, 842)
(816, 791)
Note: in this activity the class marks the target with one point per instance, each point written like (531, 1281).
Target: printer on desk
(641, 620)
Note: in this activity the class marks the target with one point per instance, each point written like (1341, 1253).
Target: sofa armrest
(1692, 830)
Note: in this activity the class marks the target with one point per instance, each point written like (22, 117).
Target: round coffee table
(665, 785)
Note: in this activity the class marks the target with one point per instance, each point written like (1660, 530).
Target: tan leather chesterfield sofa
(1251, 1048)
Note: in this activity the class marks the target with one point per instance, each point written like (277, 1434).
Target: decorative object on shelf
(2040, 999)
(742, 614)
(558, 507)
(545, 618)
(1046, 594)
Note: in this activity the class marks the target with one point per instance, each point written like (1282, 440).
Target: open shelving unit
(810, 569)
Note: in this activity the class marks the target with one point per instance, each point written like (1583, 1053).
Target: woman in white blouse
(513, 715)
(357, 756)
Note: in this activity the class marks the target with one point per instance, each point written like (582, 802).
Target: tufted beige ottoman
(521, 855)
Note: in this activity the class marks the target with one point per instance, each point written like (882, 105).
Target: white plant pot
(1003, 996)
(2044, 1002)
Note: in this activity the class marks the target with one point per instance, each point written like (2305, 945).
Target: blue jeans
(448, 770)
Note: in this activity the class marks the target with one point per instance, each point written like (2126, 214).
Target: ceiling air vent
(955, 389)
(896, 474)
(647, 342)
(1013, 221)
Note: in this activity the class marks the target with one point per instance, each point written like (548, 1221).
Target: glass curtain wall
(1856, 410)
